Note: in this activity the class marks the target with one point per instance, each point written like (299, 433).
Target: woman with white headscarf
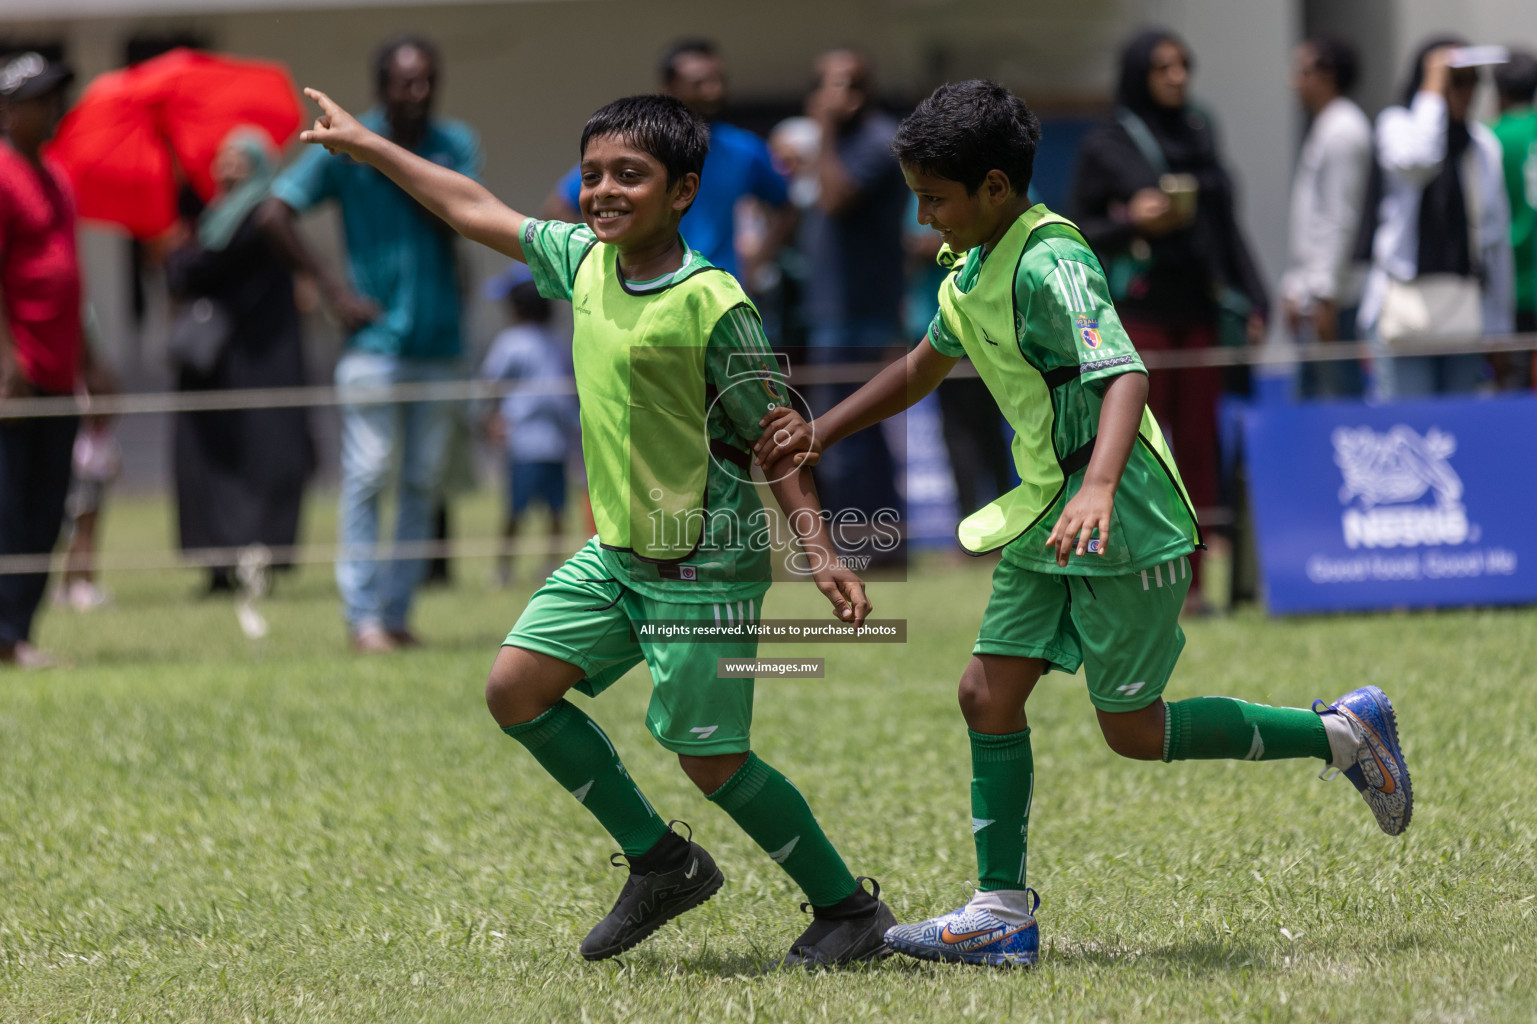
(240, 474)
(1441, 257)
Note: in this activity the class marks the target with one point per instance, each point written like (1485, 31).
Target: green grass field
(196, 828)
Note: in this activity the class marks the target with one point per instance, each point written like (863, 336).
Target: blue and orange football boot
(971, 935)
(1376, 767)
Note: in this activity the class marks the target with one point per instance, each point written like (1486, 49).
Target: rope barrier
(481, 390)
(297, 554)
(324, 554)
(839, 373)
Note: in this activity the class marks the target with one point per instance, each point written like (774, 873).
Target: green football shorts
(583, 616)
(1123, 630)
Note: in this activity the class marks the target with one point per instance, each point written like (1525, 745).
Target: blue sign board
(1412, 505)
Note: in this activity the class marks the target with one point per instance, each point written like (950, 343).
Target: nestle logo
(1385, 477)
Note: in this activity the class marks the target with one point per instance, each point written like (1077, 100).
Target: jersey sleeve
(307, 182)
(945, 338)
(554, 249)
(1069, 318)
(744, 372)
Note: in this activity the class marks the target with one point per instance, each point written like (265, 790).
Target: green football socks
(772, 811)
(577, 754)
(1002, 784)
(1221, 727)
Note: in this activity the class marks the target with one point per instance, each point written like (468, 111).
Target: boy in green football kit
(1094, 540)
(673, 373)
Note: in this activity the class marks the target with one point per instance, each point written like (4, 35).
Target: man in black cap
(42, 353)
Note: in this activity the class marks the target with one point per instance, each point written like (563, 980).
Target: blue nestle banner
(1412, 505)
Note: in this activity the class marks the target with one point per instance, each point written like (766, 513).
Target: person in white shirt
(1441, 257)
(1322, 283)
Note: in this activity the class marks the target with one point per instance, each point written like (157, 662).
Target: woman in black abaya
(1153, 199)
(240, 474)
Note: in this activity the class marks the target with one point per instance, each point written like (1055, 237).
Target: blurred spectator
(794, 143)
(852, 238)
(536, 425)
(1516, 83)
(96, 462)
(1322, 284)
(405, 329)
(737, 166)
(1441, 260)
(42, 350)
(772, 247)
(853, 233)
(1152, 197)
(240, 473)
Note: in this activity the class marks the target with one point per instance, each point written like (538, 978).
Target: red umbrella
(123, 142)
(205, 96)
(117, 158)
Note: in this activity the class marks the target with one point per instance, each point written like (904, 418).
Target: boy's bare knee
(523, 685)
(1137, 735)
(975, 699)
(1135, 748)
(712, 771)
(501, 695)
(993, 691)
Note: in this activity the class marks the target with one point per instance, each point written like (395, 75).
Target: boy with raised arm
(665, 440)
(1095, 539)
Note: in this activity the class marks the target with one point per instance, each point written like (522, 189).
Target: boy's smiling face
(964, 220)
(625, 198)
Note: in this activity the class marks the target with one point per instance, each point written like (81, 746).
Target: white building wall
(1243, 61)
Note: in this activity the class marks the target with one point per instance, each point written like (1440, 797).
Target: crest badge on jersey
(1088, 331)
(687, 572)
(766, 378)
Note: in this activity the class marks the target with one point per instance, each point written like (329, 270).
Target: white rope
(305, 554)
(325, 554)
(839, 373)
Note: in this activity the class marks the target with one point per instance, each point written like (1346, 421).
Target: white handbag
(1432, 305)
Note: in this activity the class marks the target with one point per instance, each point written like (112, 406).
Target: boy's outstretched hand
(787, 434)
(1089, 511)
(846, 591)
(335, 129)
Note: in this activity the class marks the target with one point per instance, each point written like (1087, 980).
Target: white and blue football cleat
(1363, 735)
(971, 935)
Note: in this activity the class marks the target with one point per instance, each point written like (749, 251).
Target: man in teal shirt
(401, 307)
(1516, 129)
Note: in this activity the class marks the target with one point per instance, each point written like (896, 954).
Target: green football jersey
(1517, 132)
(1035, 317)
(742, 382)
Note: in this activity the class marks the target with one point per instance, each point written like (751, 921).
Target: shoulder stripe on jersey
(1083, 279)
(750, 337)
(1066, 287)
(735, 331)
(754, 329)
